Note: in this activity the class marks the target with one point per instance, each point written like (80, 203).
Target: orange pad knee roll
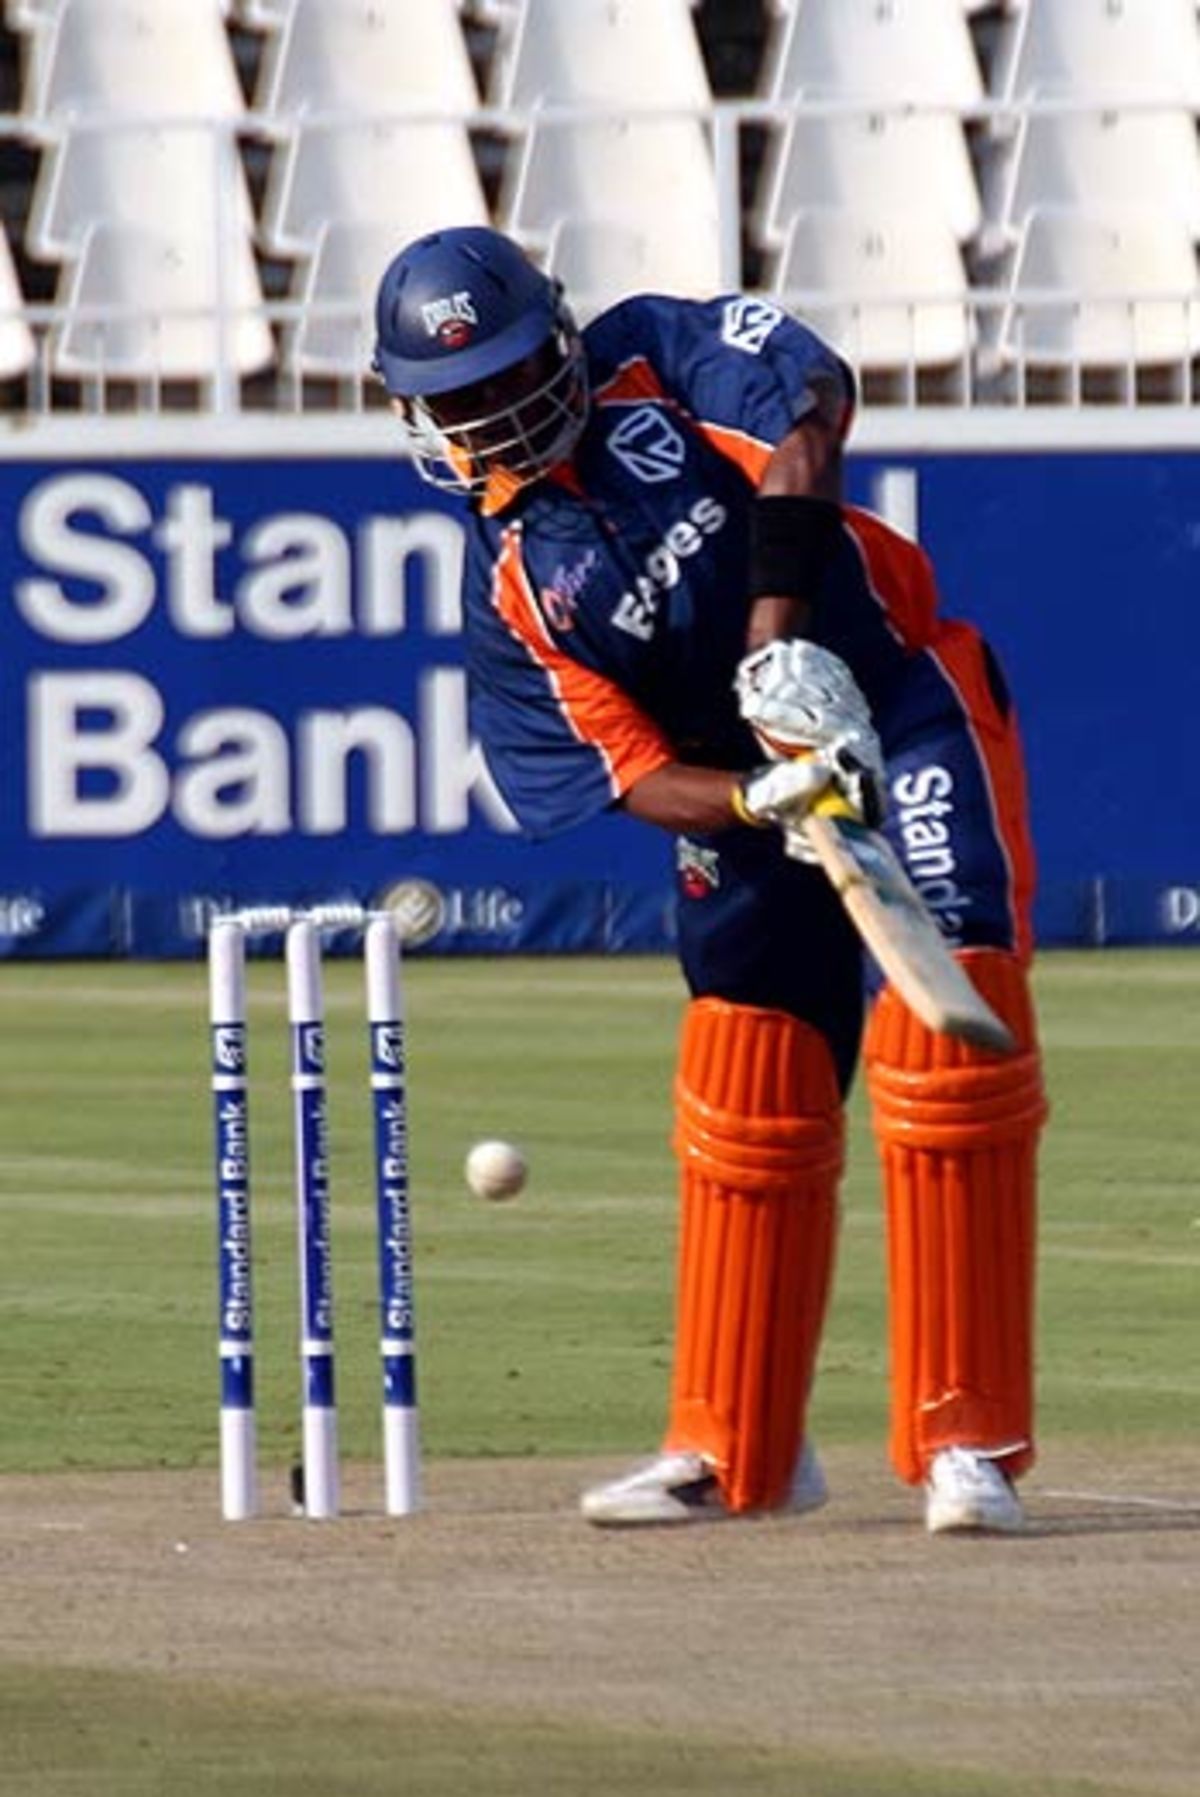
(957, 1130)
(759, 1137)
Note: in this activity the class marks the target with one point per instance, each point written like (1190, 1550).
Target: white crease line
(1107, 1497)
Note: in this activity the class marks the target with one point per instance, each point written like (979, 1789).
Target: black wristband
(791, 539)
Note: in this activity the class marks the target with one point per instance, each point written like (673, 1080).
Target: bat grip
(832, 804)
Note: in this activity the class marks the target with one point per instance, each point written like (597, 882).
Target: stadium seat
(1088, 293)
(341, 250)
(640, 54)
(375, 59)
(888, 290)
(166, 198)
(105, 82)
(1107, 162)
(344, 192)
(178, 176)
(902, 162)
(874, 61)
(600, 261)
(1095, 49)
(333, 287)
(400, 179)
(858, 48)
(641, 180)
(142, 304)
(650, 181)
(16, 339)
(127, 56)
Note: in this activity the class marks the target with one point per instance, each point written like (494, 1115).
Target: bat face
(873, 860)
(896, 925)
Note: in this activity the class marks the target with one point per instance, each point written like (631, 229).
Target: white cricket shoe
(682, 1487)
(967, 1490)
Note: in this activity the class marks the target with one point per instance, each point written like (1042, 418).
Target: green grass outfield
(150, 1738)
(543, 1324)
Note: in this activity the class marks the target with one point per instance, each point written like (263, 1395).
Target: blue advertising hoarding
(240, 680)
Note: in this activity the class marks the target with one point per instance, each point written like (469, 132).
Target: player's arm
(683, 799)
(779, 401)
(794, 522)
(700, 800)
(796, 514)
(800, 699)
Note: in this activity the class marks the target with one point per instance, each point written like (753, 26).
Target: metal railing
(1017, 345)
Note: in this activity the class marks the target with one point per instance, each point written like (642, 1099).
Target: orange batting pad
(957, 1130)
(759, 1137)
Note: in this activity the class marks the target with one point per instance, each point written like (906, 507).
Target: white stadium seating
(333, 333)
(1102, 50)
(888, 291)
(1092, 185)
(638, 171)
(1088, 292)
(1106, 161)
(368, 153)
(867, 191)
(129, 56)
(358, 53)
(960, 193)
(901, 163)
(142, 303)
(137, 201)
(16, 339)
(649, 180)
(369, 174)
(643, 53)
(598, 258)
(915, 50)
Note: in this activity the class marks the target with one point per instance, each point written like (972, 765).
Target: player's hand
(798, 697)
(782, 793)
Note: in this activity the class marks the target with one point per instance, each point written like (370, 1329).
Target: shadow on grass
(67, 1732)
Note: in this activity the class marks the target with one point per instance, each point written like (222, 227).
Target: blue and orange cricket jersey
(606, 603)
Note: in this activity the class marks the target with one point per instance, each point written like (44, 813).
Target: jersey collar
(502, 487)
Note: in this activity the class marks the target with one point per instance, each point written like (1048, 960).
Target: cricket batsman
(663, 578)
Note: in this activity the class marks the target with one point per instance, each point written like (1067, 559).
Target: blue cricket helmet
(467, 306)
(457, 306)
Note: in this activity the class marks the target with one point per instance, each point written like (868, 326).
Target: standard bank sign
(133, 598)
(242, 681)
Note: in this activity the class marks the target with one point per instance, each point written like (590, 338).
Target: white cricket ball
(496, 1170)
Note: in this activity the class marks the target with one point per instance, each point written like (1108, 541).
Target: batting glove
(797, 696)
(782, 794)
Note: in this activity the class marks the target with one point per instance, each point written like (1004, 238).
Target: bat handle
(832, 804)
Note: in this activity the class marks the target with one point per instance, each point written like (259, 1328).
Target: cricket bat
(898, 927)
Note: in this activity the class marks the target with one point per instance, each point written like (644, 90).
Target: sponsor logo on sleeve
(747, 323)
